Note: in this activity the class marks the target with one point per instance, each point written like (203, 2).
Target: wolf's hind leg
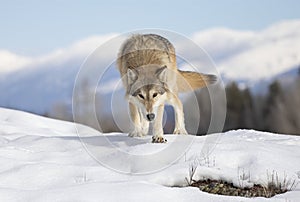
(179, 116)
(136, 131)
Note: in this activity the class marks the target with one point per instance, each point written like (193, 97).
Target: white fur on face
(155, 102)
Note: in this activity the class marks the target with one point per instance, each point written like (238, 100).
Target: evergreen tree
(273, 98)
(234, 106)
(248, 112)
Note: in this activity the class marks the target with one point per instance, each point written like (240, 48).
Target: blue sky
(37, 27)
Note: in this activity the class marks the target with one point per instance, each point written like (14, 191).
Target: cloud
(222, 43)
(237, 54)
(253, 55)
(11, 62)
(78, 51)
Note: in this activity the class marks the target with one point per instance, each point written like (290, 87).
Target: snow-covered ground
(45, 160)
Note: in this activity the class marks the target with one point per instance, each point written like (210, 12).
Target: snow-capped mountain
(37, 83)
(286, 79)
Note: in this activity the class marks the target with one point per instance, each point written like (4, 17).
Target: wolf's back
(146, 49)
(152, 49)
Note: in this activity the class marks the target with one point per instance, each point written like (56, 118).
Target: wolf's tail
(188, 81)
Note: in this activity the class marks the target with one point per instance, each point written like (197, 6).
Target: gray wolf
(147, 64)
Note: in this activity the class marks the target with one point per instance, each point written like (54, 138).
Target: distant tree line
(276, 111)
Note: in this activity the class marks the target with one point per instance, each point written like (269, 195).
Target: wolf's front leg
(179, 116)
(137, 129)
(156, 128)
(144, 123)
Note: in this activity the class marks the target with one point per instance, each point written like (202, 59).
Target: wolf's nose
(150, 117)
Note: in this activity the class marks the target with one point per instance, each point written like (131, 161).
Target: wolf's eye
(141, 96)
(154, 94)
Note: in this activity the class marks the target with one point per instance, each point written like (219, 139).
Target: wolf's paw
(158, 139)
(136, 134)
(180, 131)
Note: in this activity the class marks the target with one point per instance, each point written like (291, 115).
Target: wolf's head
(147, 88)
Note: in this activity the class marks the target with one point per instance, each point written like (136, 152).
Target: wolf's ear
(132, 75)
(162, 73)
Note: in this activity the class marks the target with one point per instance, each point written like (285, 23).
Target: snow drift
(46, 160)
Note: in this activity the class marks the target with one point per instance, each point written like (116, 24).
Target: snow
(43, 159)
